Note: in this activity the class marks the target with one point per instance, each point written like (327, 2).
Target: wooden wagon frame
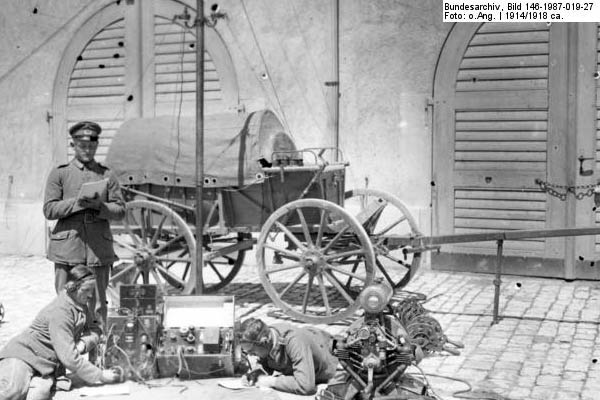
(289, 205)
(317, 244)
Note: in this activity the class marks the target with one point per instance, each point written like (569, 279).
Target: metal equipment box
(140, 299)
(131, 342)
(197, 340)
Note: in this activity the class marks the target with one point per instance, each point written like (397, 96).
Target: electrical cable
(179, 360)
(303, 89)
(136, 371)
(428, 385)
(105, 347)
(266, 67)
(461, 393)
(404, 294)
(431, 298)
(295, 75)
(137, 376)
(255, 74)
(520, 318)
(180, 104)
(249, 311)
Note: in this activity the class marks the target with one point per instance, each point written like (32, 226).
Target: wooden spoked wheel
(155, 246)
(382, 214)
(301, 253)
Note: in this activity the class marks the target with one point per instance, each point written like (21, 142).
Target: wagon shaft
(432, 242)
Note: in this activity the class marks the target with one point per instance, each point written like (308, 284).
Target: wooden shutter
(498, 135)
(97, 86)
(175, 71)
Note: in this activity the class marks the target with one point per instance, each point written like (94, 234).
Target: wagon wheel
(383, 214)
(155, 246)
(299, 256)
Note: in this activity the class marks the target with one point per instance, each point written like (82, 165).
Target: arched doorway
(135, 59)
(512, 105)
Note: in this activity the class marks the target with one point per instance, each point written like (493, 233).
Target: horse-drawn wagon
(317, 245)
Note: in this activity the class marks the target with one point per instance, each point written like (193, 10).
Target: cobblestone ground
(545, 346)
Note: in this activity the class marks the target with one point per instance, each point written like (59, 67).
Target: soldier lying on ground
(59, 334)
(301, 354)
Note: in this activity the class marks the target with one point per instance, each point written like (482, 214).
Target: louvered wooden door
(504, 111)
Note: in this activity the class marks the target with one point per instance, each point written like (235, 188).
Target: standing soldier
(82, 234)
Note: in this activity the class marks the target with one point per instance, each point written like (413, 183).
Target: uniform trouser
(19, 382)
(102, 273)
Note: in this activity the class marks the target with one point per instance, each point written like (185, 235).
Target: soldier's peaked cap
(85, 130)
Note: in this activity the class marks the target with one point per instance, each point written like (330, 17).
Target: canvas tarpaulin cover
(162, 150)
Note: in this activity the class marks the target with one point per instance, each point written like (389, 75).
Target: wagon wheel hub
(144, 260)
(314, 262)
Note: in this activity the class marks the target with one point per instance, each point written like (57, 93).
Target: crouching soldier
(301, 355)
(58, 336)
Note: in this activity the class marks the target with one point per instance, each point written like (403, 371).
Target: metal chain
(579, 192)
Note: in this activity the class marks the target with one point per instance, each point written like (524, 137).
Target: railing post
(497, 281)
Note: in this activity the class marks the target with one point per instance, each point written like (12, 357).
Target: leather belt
(87, 217)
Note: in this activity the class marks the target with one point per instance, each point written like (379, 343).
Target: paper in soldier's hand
(91, 195)
(96, 189)
(87, 202)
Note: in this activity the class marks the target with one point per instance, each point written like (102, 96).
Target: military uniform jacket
(303, 356)
(81, 236)
(52, 337)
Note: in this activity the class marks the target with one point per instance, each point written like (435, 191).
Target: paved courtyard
(545, 347)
